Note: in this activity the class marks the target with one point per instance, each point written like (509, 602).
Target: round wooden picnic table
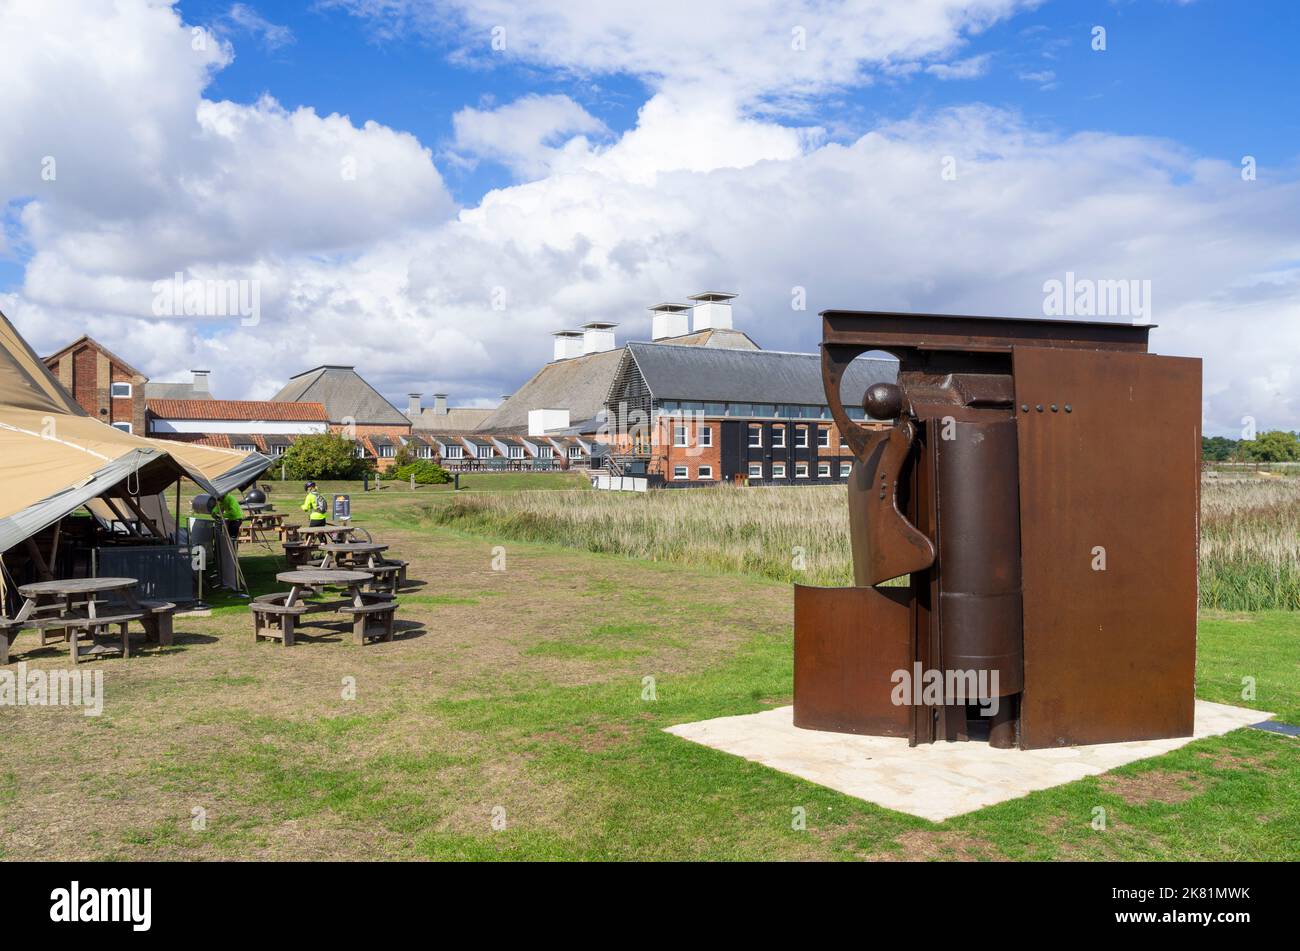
(334, 549)
(311, 577)
(70, 589)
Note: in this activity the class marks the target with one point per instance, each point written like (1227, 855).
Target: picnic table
(263, 523)
(347, 553)
(321, 577)
(337, 533)
(75, 593)
(276, 615)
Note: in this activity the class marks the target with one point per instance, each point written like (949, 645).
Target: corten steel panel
(886, 330)
(1109, 655)
(847, 644)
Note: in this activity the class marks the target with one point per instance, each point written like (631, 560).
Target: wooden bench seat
(372, 620)
(97, 626)
(401, 567)
(272, 620)
(383, 577)
(298, 554)
(157, 620)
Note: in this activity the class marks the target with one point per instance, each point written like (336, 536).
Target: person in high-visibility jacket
(232, 512)
(315, 516)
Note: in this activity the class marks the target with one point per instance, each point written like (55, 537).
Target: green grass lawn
(510, 720)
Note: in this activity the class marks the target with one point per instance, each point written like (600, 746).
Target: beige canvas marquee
(54, 457)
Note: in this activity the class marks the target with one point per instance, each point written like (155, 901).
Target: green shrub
(425, 472)
(324, 456)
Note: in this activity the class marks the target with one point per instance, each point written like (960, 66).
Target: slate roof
(345, 396)
(174, 391)
(456, 419)
(261, 410)
(578, 384)
(720, 337)
(713, 375)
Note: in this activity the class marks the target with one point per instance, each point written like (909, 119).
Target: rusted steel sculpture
(1038, 493)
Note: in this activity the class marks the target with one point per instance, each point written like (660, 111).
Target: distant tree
(1218, 448)
(324, 456)
(1273, 446)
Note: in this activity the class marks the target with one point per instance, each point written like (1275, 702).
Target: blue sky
(1219, 76)
(620, 153)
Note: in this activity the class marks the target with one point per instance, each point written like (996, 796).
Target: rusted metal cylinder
(978, 503)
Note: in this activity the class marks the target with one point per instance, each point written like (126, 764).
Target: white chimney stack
(439, 404)
(200, 380)
(712, 310)
(597, 337)
(413, 404)
(568, 343)
(669, 320)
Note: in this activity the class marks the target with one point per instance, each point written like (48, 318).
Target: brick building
(102, 383)
(692, 415)
(248, 425)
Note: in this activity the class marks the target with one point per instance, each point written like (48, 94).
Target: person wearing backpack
(315, 506)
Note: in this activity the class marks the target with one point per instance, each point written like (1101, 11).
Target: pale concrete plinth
(936, 781)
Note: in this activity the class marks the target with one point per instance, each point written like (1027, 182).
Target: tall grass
(1250, 532)
(1250, 544)
(790, 534)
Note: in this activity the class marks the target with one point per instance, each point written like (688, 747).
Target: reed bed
(1250, 544)
(786, 534)
(1250, 532)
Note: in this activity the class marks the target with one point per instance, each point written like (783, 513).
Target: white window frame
(545, 452)
(680, 437)
(755, 431)
(484, 452)
(120, 396)
(704, 473)
(801, 470)
(575, 452)
(455, 452)
(756, 474)
(705, 436)
(778, 470)
(778, 437)
(279, 450)
(387, 452)
(846, 469)
(361, 451)
(823, 437)
(801, 437)
(823, 470)
(516, 452)
(681, 473)
(245, 447)
(123, 426)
